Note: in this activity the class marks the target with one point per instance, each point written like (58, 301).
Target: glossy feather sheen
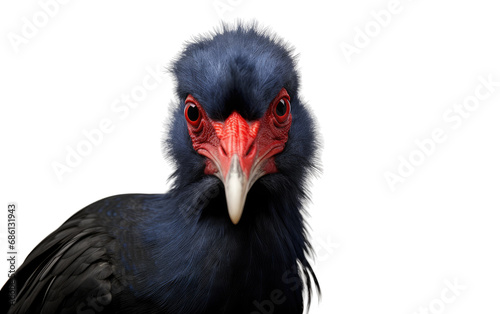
(178, 252)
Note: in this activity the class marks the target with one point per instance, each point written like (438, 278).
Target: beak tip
(234, 219)
(235, 205)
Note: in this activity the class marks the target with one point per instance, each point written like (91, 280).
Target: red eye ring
(192, 114)
(282, 109)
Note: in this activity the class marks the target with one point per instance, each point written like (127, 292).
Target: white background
(379, 251)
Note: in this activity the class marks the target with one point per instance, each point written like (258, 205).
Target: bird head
(239, 117)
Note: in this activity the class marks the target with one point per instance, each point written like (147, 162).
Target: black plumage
(179, 252)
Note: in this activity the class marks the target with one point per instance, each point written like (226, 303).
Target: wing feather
(72, 269)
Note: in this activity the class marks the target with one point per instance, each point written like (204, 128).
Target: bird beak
(237, 161)
(236, 186)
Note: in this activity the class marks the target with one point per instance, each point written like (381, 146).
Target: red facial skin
(254, 142)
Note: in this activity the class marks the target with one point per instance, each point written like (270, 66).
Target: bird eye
(192, 114)
(282, 110)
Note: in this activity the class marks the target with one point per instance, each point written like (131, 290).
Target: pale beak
(238, 162)
(236, 186)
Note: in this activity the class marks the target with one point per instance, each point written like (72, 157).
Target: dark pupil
(193, 113)
(281, 108)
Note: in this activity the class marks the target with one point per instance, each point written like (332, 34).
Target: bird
(230, 235)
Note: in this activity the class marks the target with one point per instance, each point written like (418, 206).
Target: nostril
(222, 150)
(251, 149)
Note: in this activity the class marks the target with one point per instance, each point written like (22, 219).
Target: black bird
(229, 237)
